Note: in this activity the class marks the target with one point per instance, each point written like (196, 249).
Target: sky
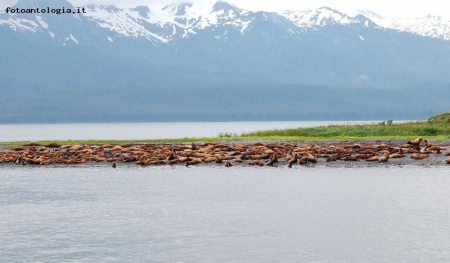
(391, 8)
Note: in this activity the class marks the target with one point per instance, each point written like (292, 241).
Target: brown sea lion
(312, 158)
(174, 161)
(373, 158)
(398, 154)
(210, 159)
(419, 156)
(348, 158)
(194, 147)
(255, 162)
(303, 160)
(193, 162)
(415, 141)
(269, 162)
(32, 144)
(384, 158)
(52, 145)
(227, 164)
(171, 156)
(289, 165)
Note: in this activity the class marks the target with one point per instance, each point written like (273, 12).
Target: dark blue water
(215, 214)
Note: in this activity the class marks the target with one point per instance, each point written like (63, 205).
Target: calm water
(150, 130)
(214, 214)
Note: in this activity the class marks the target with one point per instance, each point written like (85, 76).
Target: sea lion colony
(255, 154)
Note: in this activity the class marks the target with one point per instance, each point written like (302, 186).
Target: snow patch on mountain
(375, 17)
(322, 17)
(170, 22)
(73, 39)
(196, 17)
(41, 22)
(429, 26)
(125, 22)
(20, 24)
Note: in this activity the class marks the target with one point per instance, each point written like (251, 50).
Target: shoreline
(354, 152)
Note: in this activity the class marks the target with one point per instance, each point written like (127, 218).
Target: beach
(238, 153)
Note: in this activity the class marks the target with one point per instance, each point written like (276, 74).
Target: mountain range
(219, 62)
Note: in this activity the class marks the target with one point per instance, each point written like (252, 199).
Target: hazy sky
(391, 8)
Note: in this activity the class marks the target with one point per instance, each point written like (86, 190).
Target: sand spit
(281, 154)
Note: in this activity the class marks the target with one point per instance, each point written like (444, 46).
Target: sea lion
(398, 154)
(348, 158)
(419, 156)
(227, 164)
(184, 159)
(174, 161)
(171, 156)
(415, 141)
(303, 160)
(269, 162)
(32, 144)
(255, 162)
(210, 159)
(52, 145)
(193, 162)
(289, 165)
(384, 158)
(373, 158)
(425, 150)
(269, 151)
(289, 155)
(312, 158)
(194, 147)
(333, 158)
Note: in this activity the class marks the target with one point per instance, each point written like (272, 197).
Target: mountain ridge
(175, 63)
(188, 17)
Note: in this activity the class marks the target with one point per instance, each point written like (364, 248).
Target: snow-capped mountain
(191, 58)
(219, 37)
(182, 21)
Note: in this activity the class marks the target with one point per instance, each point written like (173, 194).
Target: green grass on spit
(436, 127)
(400, 130)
